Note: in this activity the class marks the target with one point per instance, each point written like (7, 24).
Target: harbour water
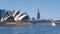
(38, 29)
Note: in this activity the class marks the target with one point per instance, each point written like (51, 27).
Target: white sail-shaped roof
(6, 18)
(7, 15)
(15, 12)
(17, 16)
(20, 18)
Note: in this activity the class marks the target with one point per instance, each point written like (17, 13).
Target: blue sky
(48, 8)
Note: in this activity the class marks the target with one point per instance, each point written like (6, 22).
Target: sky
(49, 9)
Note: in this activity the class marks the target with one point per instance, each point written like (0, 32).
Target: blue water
(31, 30)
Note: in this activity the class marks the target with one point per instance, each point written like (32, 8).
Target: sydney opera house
(13, 16)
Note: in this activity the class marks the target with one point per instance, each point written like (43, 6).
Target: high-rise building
(38, 15)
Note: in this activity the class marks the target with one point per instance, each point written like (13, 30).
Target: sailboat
(53, 24)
